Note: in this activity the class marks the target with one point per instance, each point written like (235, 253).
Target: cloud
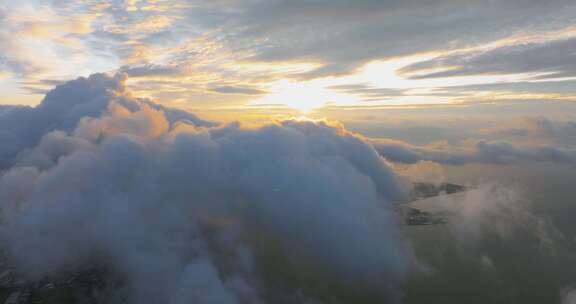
(288, 31)
(568, 295)
(561, 132)
(65, 106)
(499, 210)
(184, 210)
(498, 152)
(489, 210)
(150, 70)
(237, 90)
(367, 92)
(252, 44)
(35, 39)
(551, 59)
(369, 30)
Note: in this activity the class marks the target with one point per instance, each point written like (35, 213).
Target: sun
(302, 96)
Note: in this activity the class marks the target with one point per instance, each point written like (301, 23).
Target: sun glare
(304, 97)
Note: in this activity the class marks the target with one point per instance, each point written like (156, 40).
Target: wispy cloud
(254, 44)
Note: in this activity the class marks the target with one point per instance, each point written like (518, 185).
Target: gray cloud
(564, 87)
(481, 152)
(559, 132)
(150, 70)
(367, 92)
(553, 57)
(237, 90)
(340, 35)
(369, 30)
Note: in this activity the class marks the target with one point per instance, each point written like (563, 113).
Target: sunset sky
(277, 55)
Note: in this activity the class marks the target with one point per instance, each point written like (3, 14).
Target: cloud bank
(178, 209)
(487, 152)
(183, 210)
(62, 109)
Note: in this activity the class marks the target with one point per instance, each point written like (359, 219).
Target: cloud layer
(218, 50)
(185, 211)
(499, 152)
(178, 209)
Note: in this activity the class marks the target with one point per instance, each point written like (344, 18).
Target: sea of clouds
(184, 210)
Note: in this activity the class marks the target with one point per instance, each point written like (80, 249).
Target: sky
(301, 55)
(240, 148)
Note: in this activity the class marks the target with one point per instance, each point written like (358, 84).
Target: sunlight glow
(303, 97)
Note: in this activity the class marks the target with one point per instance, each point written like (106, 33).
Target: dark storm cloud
(556, 58)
